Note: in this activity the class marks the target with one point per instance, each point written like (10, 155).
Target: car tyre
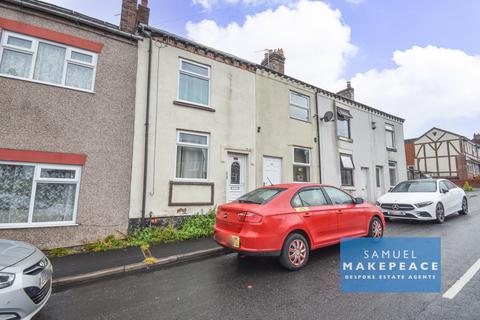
(375, 230)
(440, 213)
(295, 252)
(464, 206)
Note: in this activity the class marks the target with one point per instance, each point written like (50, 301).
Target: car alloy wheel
(464, 206)
(440, 211)
(376, 228)
(295, 252)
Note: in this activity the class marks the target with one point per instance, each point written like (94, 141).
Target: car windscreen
(415, 186)
(260, 196)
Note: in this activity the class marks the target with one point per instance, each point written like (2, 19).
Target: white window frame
(37, 179)
(302, 164)
(392, 165)
(197, 75)
(194, 145)
(352, 169)
(34, 50)
(299, 106)
(390, 129)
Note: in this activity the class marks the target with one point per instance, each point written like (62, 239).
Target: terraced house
(67, 92)
(211, 126)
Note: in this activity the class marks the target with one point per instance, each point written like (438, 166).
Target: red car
(289, 220)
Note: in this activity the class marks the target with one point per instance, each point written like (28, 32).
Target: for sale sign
(390, 265)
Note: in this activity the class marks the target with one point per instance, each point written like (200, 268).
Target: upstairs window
(299, 106)
(301, 165)
(43, 61)
(343, 123)
(390, 136)
(194, 83)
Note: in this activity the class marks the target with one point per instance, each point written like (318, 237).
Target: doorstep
(85, 267)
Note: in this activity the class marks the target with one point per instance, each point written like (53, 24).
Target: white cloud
(315, 40)
(429, 86)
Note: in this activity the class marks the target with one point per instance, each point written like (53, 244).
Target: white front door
(379, 182)
(365, 185)
(236, 167)
(272, 170)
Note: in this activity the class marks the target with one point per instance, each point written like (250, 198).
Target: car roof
(296, 185)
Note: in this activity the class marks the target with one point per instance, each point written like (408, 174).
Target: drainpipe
(147, 122)
(317, 122)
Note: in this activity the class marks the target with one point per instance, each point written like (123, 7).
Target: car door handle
(307, 214)
(339, 211)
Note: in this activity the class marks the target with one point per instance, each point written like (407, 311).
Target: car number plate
(236, 241)
(397, 213)
(44, 277)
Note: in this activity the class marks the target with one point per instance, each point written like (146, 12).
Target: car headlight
(423, 204)
(6, 279)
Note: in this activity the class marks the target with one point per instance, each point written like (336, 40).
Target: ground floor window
(392, 169)
(346, 169)
(40, 194)
(301, 165)
(192, 155)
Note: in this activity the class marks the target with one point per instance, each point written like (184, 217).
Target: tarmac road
(226, 287)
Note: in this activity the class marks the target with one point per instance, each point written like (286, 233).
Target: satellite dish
(328, 116)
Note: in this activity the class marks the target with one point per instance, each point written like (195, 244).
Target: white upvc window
(38, 195)
(301, 164)
(390, 136)
(299, 106)
(32, 59)
(192, 155)
(346, 169)
(194, 83)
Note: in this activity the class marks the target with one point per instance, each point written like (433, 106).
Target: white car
(25, 280)
(427, 199)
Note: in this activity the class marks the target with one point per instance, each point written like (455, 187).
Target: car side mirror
(445, 190)
(390, 189)
(358, 201)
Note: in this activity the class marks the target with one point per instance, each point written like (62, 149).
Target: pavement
(84, 267)
(229, 287)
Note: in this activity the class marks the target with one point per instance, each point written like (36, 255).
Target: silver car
(25, 280)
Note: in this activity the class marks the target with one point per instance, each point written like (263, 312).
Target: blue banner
(390, 265)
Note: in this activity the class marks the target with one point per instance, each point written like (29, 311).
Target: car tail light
(249, 217)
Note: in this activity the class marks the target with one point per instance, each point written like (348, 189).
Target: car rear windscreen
(260, 196)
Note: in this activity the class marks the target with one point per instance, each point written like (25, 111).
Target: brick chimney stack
(476, 138)
(143, 12)
(348, 92)
(133, 15)
(275, 60)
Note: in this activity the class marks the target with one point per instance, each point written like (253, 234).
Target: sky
(419, 60)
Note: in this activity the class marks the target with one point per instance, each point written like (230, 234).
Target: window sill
(392, 149)
(189, 180)
(349, 188)
(36, 225)
(46, 83)
(303, 120)
(345, 139)
(192, 105)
